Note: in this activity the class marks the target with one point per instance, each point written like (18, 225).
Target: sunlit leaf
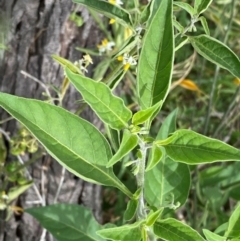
(108, 107)
(192, 148)
(73, 142)
(109, 10)
(156, 59)
(127, 232)
(173, 230)
(201, 5)
(216, 52)
(210, 236)
(128, 143)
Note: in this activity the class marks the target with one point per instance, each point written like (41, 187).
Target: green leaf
(210, 236)
(233, 230)
(187, 7)
(205, 25)
(168, 181)
(216, 52)
(131, 209)
(109, 10)
(201, 6)
(168, 126)
(156, 58)
(157, 154)
(73, 142)
(192, 148)
(108, 107)
(128, 143)
(173, 230)
(128, 232)
(67, 222)
(143, 115)
(153, 217)
(66, 63)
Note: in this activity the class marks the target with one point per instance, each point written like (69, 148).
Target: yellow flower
(236, 81)
(112, 21)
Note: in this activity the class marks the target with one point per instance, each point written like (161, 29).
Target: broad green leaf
(127, 232)
(156, 58)
(153, 217)
(109, 10)
(168, 126)
(167, 182)
(128, 143)
(157, 154)
(201, 6)
(173, 230)
(187, 7)
(192, 148)
(210, 236)
(131, 209)
(73, 142)
(216, 52)
(66, 63)
(108, 107)
(205, 25)
(233, 230)
(67, 222)
(143, 115)
(221, 229)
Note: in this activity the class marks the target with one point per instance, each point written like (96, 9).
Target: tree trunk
(35, 29)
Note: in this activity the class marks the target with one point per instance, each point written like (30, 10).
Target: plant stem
(141, 212)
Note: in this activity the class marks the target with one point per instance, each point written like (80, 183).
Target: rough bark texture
(37, 29)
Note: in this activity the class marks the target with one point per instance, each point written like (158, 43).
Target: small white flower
(105, 46)
(116, 2)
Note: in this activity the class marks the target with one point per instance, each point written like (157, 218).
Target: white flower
(116, 2)
(105, 46)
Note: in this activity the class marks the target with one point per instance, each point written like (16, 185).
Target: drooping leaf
(73, 142)
(131, 209)
(201, 6)
(157, 154)
(233, 230)
(128, 143)
(109, 10)
(210, 236)
(167, 182)
(127, 232)
(187, 7)
(156, 58)
(216, 52)
(108, 107)
(192, 148)
(67, 222)
(173, 230)
(143, 115)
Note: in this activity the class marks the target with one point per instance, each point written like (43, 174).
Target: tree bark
(35, 30)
